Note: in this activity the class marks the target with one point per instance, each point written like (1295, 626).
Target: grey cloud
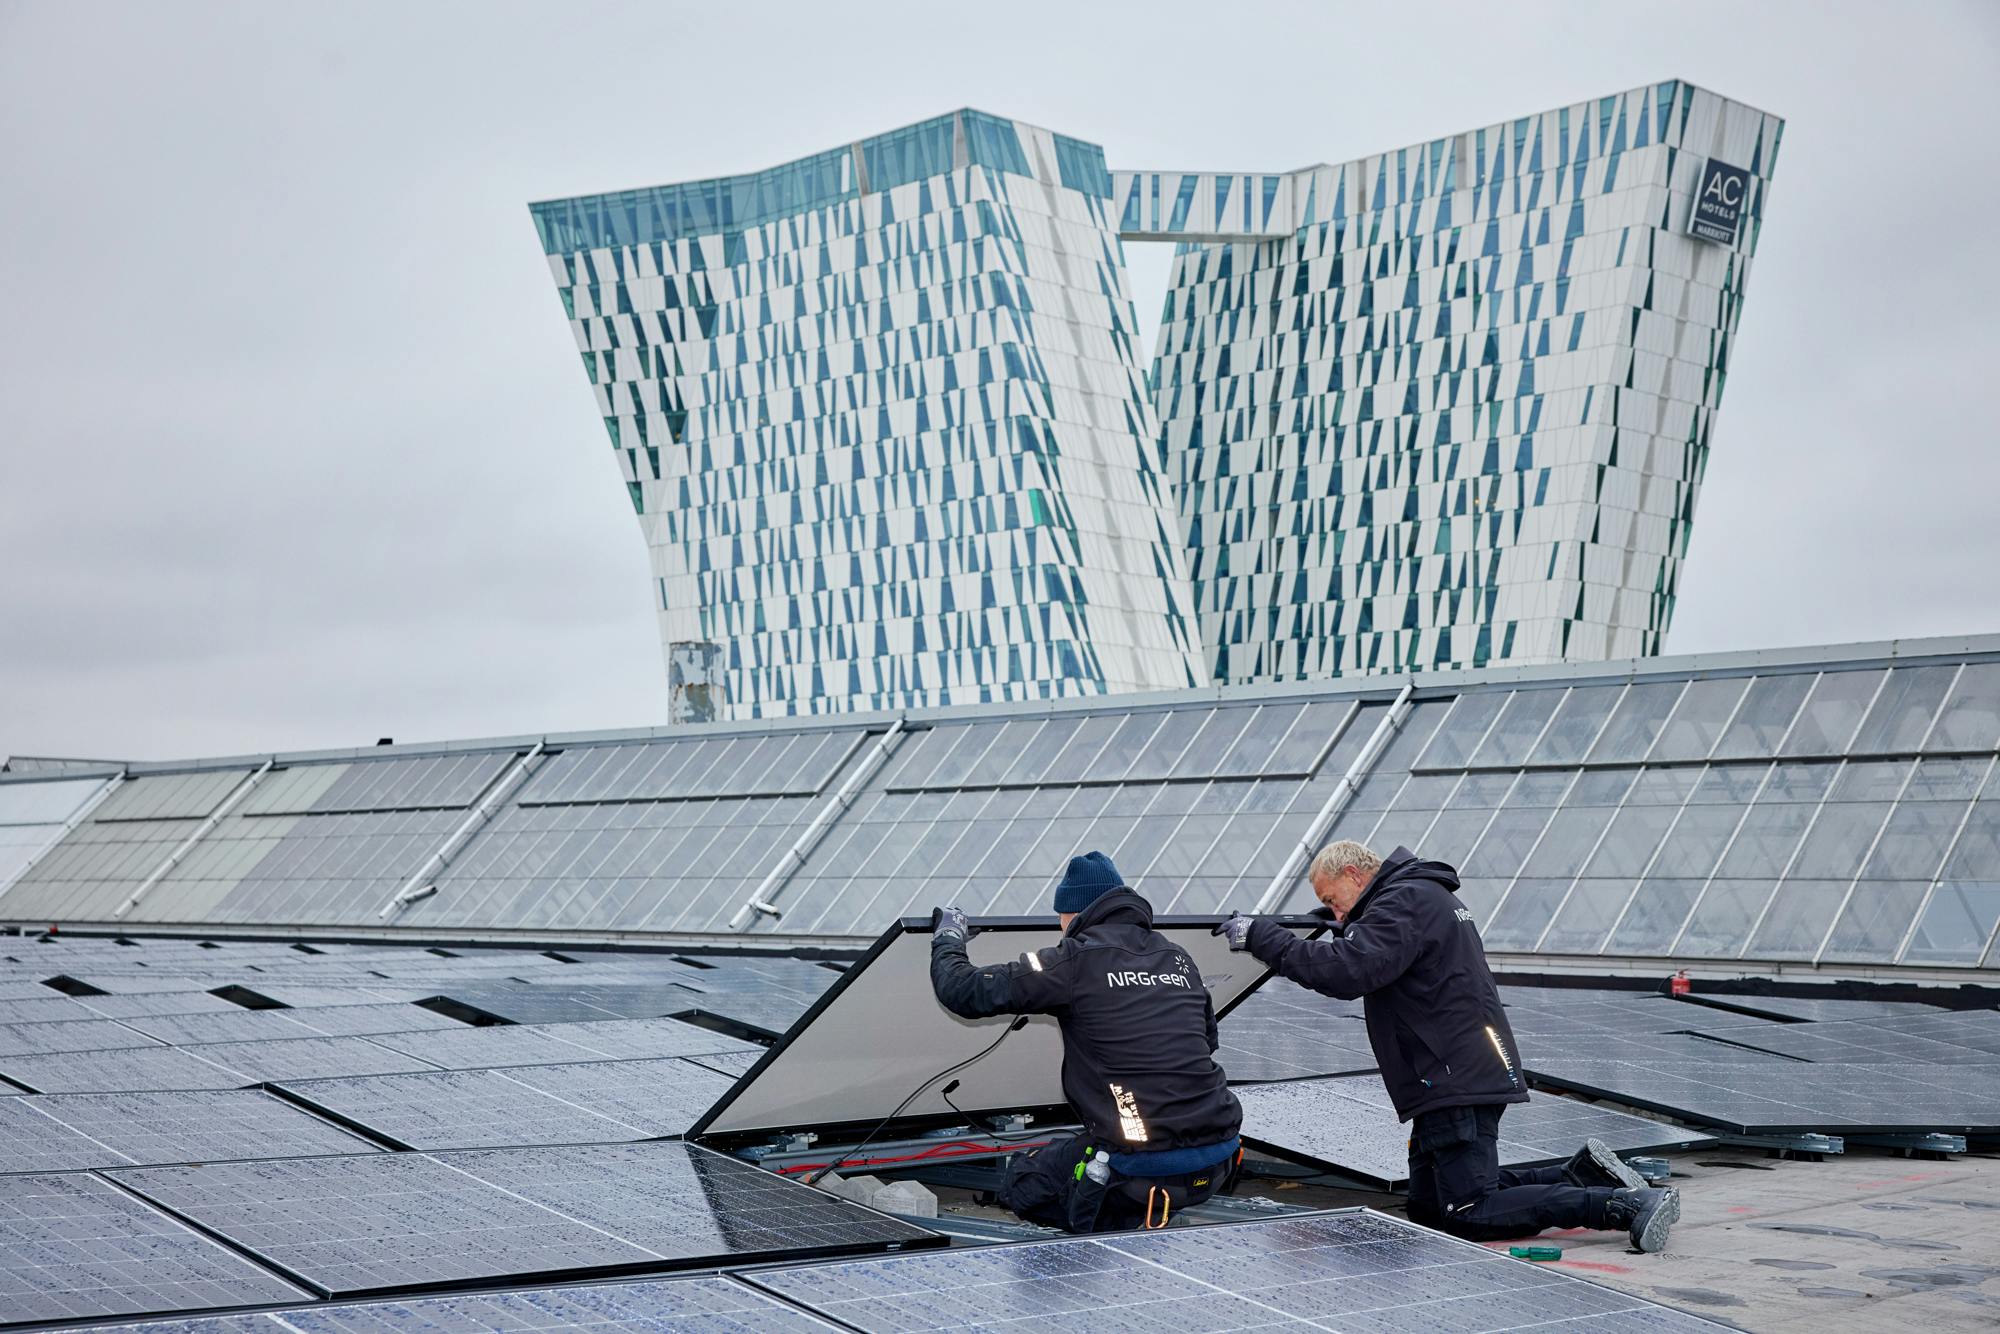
(295, 448)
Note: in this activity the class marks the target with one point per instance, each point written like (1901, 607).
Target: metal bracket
(1915, 1141)
(1808, 1144)
(1655, 1170)
(1012, 1124)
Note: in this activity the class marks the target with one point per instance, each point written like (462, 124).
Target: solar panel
(365, 1020)
(77, 1247)
(32, 1142)
(526, 1105)
(717, 1305)
(656, 1097)
(142, 1129)
(46, 1008)
(1256, 1048)
(1645, 1048)
(637, 1039)
(735, 1064)
(840, 1067)
(399, 1221)
(1349, 1125)
(533, 1004)
(1346, 1270)
(1883, 1098)
(558, 1044)
(238, 1026)
(770, 1016)
(310, 995)
(74, 1035)
(458, 1109)
(1978, 1030)
(1859, 1041)
(134, 1068)
(305, 1058)
(171, 1002)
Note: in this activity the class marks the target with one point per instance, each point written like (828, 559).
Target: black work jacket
(1138, 1026)
(1413, 955)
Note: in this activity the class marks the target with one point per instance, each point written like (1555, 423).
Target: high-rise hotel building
(891, 439)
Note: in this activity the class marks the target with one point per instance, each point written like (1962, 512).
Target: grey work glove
(1237, 928)
(947, 923)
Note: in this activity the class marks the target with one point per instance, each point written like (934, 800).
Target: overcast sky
(296, 450)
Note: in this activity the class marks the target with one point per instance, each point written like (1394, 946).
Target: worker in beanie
(1159, 1121)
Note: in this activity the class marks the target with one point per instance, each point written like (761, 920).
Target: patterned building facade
(882, 414)
(885, 424)
(1459, 415)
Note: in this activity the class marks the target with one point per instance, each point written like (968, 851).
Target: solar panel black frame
(1307, 928)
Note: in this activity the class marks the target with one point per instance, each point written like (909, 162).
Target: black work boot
(1645, 1214)
(1596, 1165)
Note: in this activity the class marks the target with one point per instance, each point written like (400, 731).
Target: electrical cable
(970, 1119)
(1020, 1021)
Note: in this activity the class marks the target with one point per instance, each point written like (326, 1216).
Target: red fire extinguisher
(1678, 984)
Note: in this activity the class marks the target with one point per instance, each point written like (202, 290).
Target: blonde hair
(1334, 858)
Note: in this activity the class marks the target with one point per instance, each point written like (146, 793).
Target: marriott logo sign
(1721, 194)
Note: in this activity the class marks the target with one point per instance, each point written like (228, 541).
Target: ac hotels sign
(1721, 195)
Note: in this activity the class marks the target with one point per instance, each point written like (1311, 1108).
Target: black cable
(970, 1119)
(1020, 1022)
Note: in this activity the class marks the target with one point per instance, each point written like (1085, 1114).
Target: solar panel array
(76, 1247)
(88, 1130)
(291, 1123)
(693, 1305)
(1905, 1069)
(1839, 807)
(404, 1221)
(526, 1105)
(1349, 1125)
(1283, 1031)
(1357, 1270)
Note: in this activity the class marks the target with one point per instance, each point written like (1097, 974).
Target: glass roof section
(1837, 810)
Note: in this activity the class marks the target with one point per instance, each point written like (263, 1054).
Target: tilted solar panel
(70, 1035)
(404, 1221)
(306, 1058)
(79, 1247)
(525, 1105)
(132, 1068)
(717, 1305)
(191, 1126)
(1350, 1126)
(1356, 1270)
(558, 1044)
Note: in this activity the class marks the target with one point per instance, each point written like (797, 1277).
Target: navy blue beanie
(1088, 876)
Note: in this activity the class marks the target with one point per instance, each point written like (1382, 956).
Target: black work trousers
(1044, 1186)
(1458, 1186)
